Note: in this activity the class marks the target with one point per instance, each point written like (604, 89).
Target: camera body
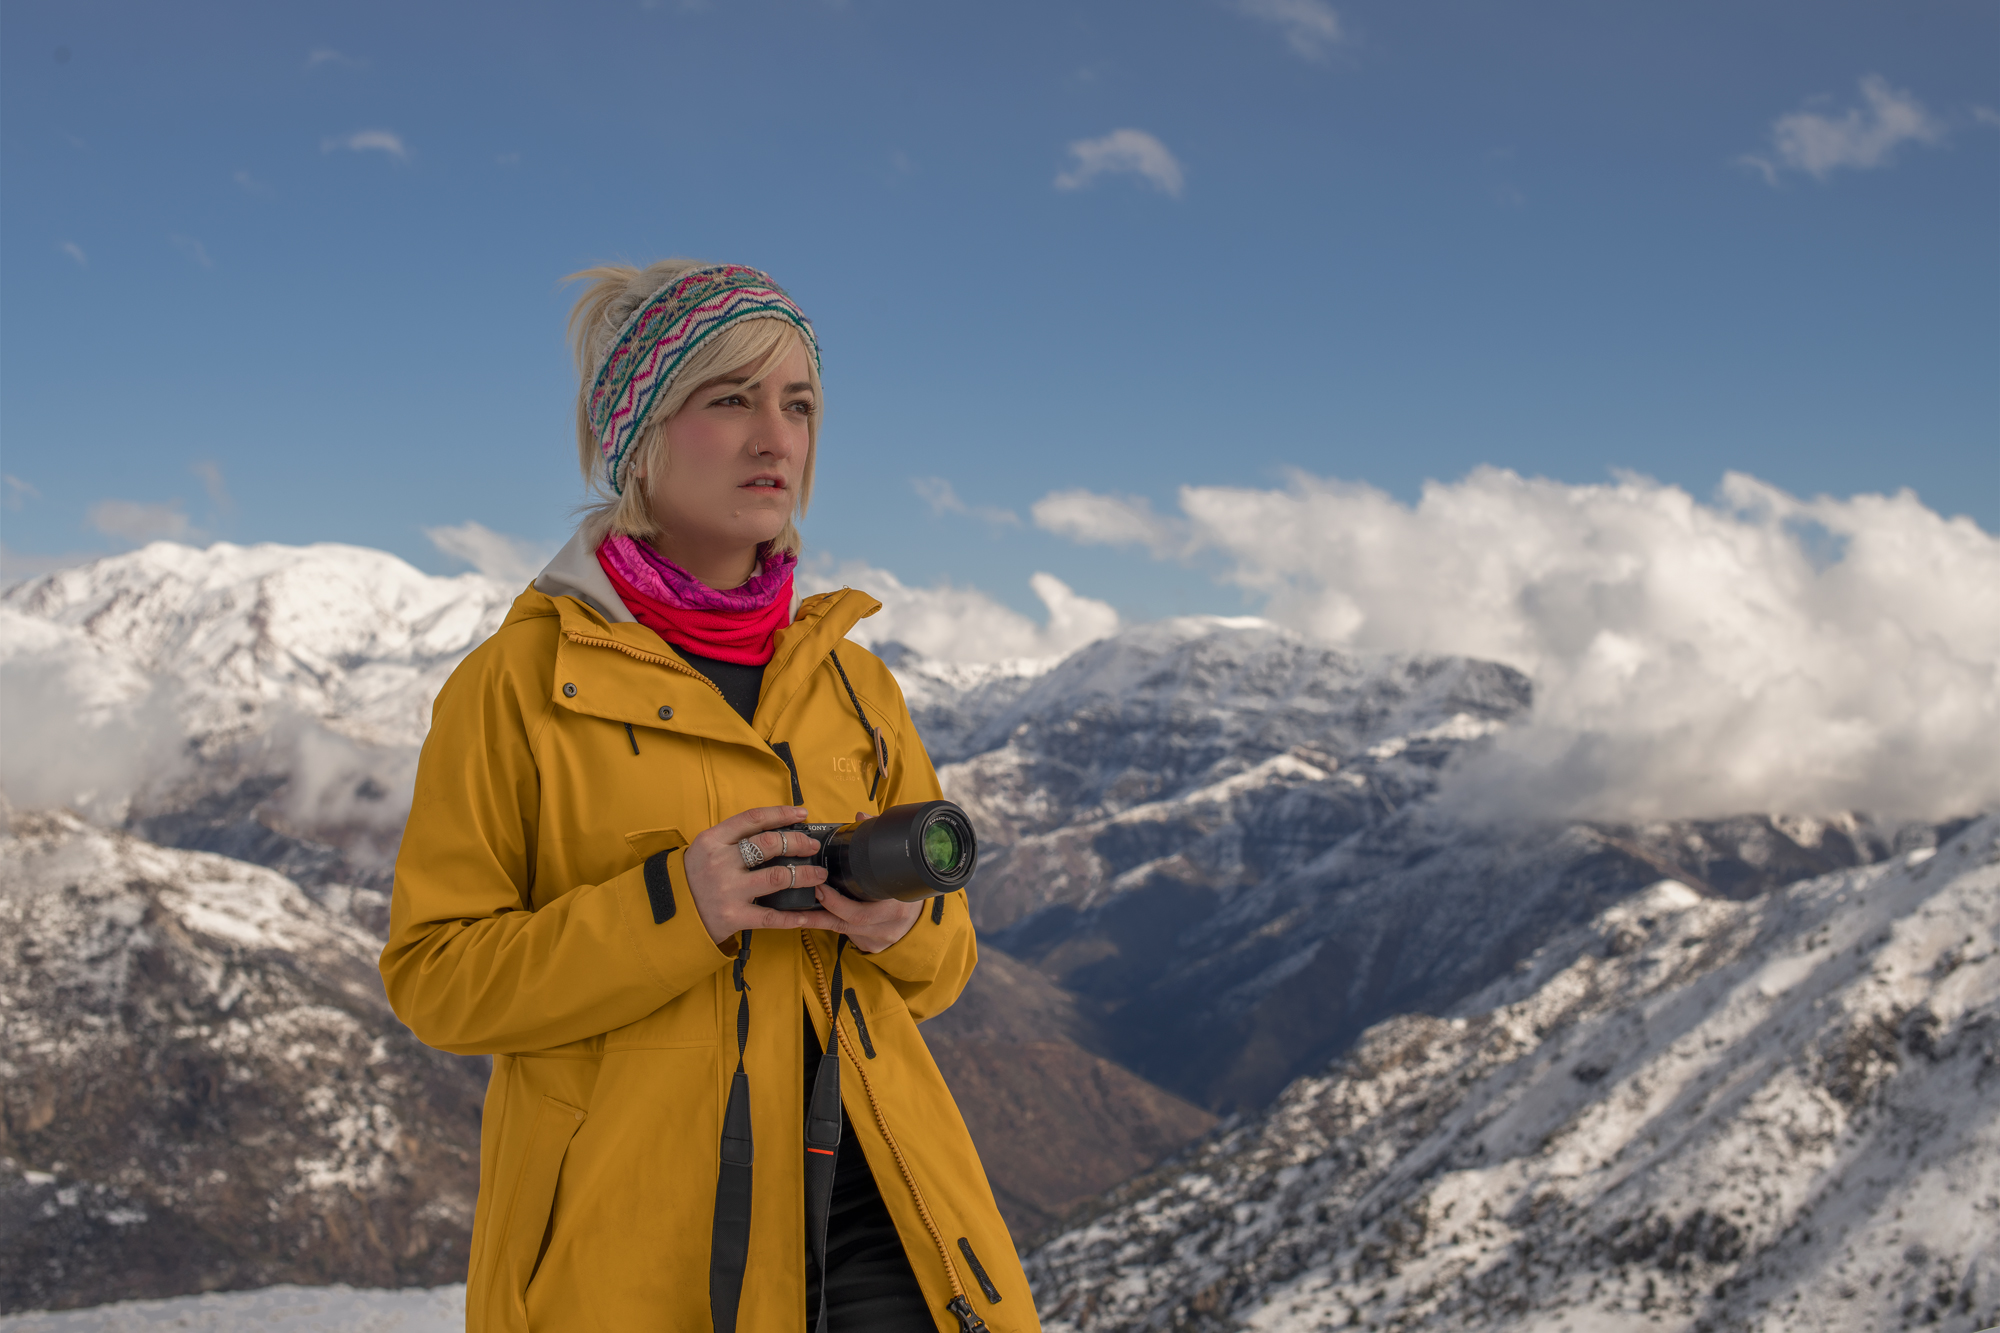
(908, 852)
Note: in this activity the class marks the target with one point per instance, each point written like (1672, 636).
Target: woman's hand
(872, 926)
(723, 887)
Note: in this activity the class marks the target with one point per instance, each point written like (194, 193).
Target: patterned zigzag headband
(660, 336)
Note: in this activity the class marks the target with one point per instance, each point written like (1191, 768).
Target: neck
(720, 568)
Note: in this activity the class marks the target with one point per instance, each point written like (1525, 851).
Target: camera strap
(874, 735)
(729, 1245)
(823, 1141)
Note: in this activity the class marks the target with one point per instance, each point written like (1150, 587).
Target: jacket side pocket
(524, 1217)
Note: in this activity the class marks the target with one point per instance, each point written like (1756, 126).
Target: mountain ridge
(1215, 854)
(1692, 1113)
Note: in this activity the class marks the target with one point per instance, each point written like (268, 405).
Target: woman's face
(735, 455)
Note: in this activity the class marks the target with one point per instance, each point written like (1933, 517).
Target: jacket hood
(575, 573)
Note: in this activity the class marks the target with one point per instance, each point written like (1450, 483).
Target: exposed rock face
(202, 1087)
(1691, 1113)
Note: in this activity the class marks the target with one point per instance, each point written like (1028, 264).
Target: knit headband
(662, 333)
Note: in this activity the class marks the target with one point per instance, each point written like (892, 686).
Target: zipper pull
(968, 1322)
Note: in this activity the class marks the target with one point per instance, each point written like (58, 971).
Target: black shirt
(872, 1287)
(740, 682)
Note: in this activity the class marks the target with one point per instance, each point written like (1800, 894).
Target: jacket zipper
(642, 655)
(959, 1306)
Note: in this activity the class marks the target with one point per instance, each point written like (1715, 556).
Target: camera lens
(912, 851)
(944, 849)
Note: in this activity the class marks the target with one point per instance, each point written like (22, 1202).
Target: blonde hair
(613, 293)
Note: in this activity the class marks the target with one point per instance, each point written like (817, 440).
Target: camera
(910, 852)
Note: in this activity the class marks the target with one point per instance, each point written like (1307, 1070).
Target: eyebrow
(796, 386)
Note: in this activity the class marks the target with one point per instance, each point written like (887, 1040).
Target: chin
(765, 532)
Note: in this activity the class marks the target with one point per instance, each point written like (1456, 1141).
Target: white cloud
(368, 141)
(83, 725)
(1123, 151)
(219, 498)
(1110, 520)
(326, 55)
(1986, 115)
(18, 492)
(193, 249)
(1860, 139)
(943, 499)
(139, 523)
(246, 182)
(1761, 652)
(1310, 27)
(75, 251)
(512, 560)
(964, 624)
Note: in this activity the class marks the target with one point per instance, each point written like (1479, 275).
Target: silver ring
(753, 855)
(794, 868)
(784, 842)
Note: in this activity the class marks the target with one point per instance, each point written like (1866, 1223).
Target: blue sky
(292, 272)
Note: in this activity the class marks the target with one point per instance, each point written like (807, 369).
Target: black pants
(870, 1287)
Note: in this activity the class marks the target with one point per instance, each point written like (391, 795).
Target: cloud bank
(964, 624)
(1760, 652)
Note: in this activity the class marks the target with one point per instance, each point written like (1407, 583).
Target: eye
(728, 400)
(803, 407)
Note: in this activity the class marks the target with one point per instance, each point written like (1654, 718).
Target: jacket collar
(817, 628)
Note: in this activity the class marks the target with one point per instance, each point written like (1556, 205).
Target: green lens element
(943, 849)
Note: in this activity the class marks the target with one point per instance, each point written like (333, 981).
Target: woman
(602, 782)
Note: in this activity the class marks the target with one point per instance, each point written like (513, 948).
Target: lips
(764, 484)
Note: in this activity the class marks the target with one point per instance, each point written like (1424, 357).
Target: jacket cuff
(663, 925)
(918, 955)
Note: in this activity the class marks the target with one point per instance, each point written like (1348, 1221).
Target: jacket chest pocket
(594, 787)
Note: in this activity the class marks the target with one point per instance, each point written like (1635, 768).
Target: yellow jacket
(563, 753)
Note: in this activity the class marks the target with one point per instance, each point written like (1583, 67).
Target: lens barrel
(909, 852)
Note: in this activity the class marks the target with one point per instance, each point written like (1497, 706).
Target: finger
(837, 903)
(781, 877)
(738, 827)
(786, 842)
(770, 918)
(854, 913)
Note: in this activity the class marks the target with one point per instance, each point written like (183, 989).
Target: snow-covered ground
(337, 1309)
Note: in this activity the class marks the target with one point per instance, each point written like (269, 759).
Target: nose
(769, 437)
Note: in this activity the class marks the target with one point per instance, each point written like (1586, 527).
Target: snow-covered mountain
(1689, 1113)
(201, 1084)
(351, 637)
(1214, 854)
(1247, 838)
(265, 702)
